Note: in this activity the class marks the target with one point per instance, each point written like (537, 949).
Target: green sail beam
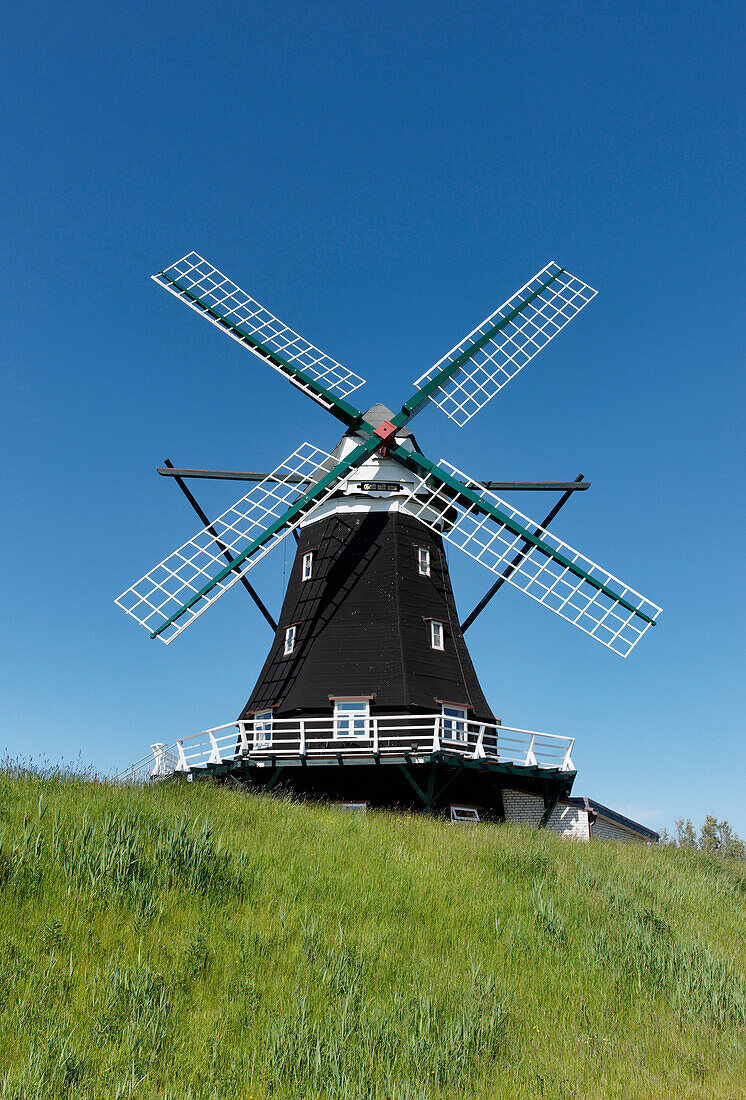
(423, 466)
(414, 404)
(342, 410)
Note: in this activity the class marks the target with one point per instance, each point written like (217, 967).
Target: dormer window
(289, 640)
(436, 635)
(423, 561)
(454, 723)
(262, 728)
(351, 717)
(307, 566)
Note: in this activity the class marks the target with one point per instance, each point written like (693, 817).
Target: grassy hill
(188, 941)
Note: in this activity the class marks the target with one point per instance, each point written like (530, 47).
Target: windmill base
(443, 784)
(431, 782)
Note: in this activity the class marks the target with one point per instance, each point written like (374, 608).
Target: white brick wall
(522, 808)
(570, 821)
(527, 809)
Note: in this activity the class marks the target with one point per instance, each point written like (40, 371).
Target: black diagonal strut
(226, 552)
(517, 559)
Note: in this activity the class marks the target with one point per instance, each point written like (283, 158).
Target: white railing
(160, 763)
(384, 736)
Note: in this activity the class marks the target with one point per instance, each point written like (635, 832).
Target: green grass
(188, 941)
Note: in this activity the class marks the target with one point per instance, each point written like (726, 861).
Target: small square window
(436, 634)
(454, 723)
(423, 561)
(262, 728)
(351, 717)
(289, 640)
(308, 565)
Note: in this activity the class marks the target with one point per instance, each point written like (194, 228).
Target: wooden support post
(414, 784)
(447, 783)
(215, 757)
(182, 765)
(431, 785)
(479, 753)
(273, 778)
(552, 794)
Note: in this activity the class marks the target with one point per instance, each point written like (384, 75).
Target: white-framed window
(262, 728)
(423, 561)
(308, 566)
(436, 635)
(461, 815)
(351, 717)
(289, 640)
(454, 723)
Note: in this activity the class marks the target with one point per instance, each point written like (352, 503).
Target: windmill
(368, 635)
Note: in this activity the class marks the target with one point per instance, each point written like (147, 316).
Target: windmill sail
(157, 596)
(205, 289)
(486, 360)
(551, 572)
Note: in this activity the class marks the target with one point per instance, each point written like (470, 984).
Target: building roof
(612, 815)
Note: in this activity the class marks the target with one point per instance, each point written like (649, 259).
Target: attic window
(308, 565)
(436, 635)
(289, 640)
(423, 561)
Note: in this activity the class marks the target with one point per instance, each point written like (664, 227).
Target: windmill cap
(378, 414)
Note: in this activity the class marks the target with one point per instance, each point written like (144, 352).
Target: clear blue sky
(381, 176)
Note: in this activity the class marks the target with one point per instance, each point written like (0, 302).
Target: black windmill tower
(368, 666)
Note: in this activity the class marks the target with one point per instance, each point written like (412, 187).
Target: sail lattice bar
(506, 341)
(205, 289)
(172, 583)
(577, 590)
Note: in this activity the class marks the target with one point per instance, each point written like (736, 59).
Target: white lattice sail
(195, 278)
(550, 583)
(544, 311)
(171, 584)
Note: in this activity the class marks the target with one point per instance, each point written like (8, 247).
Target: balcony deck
(394, 739)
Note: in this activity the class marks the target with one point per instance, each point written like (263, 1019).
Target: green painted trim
(345, 412)
(409, 408)
(355, 459)
(507, 768)
(420, 464)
